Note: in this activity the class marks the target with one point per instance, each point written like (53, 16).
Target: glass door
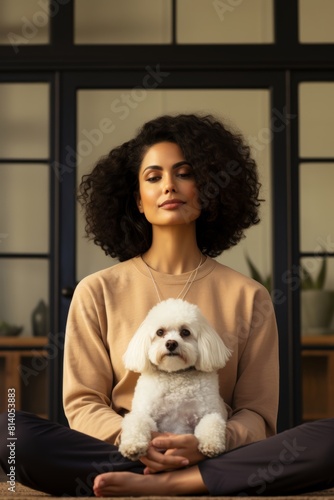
(26, 241)
(313, 181)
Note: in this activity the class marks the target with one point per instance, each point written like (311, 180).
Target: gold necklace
(186, 287)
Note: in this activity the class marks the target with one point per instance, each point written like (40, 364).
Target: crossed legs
(60, 461)
(292, 462)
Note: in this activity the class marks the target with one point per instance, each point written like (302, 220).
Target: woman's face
(167, 190)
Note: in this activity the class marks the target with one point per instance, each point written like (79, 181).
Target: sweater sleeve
(254, 409)
(88, 374)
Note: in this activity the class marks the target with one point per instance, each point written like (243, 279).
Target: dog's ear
(136, 356)
(213, 354)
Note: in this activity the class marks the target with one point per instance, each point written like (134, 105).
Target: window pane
(316, 104)
(320, 31)
(316, 207)
(112, 21)
(24, 22)
(24, 120)
(216, 21)
(107, 118)
(24, 214)
(23, 283)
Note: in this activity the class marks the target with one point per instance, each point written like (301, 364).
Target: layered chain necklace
(186, 287)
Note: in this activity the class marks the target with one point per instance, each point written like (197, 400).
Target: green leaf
(265, 281)
(306, 279)
(254, 272)
(320, 281)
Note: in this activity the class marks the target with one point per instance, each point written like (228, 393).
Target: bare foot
(185, 481)
(125, 484)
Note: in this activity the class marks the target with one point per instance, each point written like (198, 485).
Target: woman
(181, 192)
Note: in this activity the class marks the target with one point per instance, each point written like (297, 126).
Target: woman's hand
(171, 451)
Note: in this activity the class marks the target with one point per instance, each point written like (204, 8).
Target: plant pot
(317, 310)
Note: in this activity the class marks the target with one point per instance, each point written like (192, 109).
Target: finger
(154, 468)
(155, 456)
(157, 461)
(169, 461)
(174, 441)
(147, 471)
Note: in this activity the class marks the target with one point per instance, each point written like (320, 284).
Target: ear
(212, 351)
(135, 357)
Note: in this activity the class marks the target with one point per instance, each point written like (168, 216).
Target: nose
(169, 186)
(171, 345)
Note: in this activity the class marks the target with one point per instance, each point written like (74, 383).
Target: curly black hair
(225, 175)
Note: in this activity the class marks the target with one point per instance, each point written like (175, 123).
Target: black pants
(60, 461)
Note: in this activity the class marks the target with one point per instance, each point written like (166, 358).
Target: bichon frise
(178, 354)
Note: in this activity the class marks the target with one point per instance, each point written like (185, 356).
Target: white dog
(178, 354)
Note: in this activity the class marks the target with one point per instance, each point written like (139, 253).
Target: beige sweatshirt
(107, 308)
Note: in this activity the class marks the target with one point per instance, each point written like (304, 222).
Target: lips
(173, 203)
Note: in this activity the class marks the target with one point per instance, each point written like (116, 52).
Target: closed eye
(181, 175)
(187, 175)
(153, 179)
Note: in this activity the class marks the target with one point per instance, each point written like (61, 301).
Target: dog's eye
(184, 332)
(160, 332)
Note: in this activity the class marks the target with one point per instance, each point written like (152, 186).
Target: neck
(174, 249)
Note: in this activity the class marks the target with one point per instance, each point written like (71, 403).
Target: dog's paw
(133, 450)
(211, 449)
(136, 435)
(211, 435)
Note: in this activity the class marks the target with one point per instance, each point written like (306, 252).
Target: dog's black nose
(171, 345)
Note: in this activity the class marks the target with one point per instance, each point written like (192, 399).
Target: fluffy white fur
(178, 354)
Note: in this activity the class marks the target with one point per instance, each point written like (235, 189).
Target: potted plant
(256, 275)
(317, 304)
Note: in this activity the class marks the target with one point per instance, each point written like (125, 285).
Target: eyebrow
(176, 165)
